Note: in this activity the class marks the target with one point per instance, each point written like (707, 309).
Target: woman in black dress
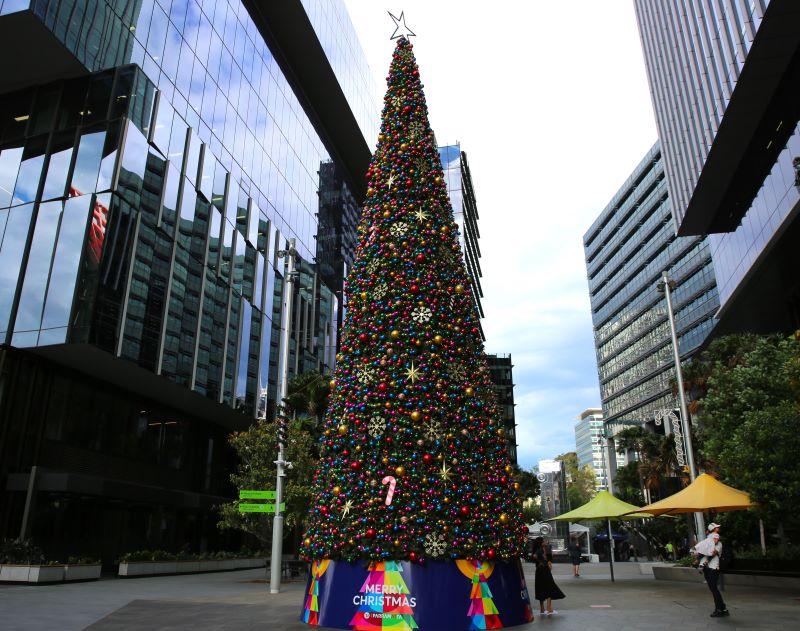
(545, 587)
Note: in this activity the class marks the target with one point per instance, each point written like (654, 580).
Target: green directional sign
(257, 495)
(260, 508)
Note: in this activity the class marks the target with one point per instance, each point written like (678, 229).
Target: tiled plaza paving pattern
(241, 601)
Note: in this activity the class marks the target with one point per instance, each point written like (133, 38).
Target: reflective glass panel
(11, 249)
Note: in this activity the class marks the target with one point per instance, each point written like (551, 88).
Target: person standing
(574, 551)
(711, 549)
(545, 590)
(670, 551)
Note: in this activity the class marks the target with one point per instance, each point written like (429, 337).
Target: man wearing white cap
(711, 549)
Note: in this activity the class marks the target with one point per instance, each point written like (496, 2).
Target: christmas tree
(412, 403)
(482, 611)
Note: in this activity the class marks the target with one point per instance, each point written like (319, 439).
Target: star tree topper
(400, 28)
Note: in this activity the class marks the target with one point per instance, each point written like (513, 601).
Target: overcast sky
(550, 102)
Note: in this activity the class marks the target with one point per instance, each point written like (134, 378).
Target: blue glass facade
(143, 200)
(627, 248)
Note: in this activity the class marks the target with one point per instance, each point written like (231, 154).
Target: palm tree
(307, 395)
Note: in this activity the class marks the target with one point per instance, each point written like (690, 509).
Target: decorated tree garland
(413, 458)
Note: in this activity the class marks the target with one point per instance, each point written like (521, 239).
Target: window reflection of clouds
(11, 249)
(65, 262)
(31, 301)
(9, 168)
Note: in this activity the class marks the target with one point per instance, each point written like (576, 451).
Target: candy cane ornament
(392, 483)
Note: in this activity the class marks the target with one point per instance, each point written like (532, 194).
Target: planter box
(31, 573)
(152, 568)
(82, 572)
(671, 573)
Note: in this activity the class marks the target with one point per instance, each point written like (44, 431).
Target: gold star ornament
(412, 373)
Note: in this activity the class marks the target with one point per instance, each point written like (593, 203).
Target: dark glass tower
(154, 157)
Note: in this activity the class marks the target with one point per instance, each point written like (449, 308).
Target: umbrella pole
(610, 549)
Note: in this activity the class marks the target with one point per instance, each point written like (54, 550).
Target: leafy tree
(529, 486)
(750, 414)
(628, 482)
(531, 513)
(580, 480)
(257, 449)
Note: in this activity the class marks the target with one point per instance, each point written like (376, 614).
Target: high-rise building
(500, 367)
(627, 249)
(723, 78)
(465, 211)
(155, 158)
(590, 445)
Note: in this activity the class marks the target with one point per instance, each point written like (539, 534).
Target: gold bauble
(445, 229)
(438, 179)
(307, 541)
(342, 430)
(403, 146)
(363, 295)
(332, 382)
(501, 432)
(509, 469)
(469, 391)
(381, 137)
(416, 415)
(459, 289)
(386, 214)
(438, 339)
(337, 490)
(394, 334)
(401, 470)
(503, 518)
(517, 487)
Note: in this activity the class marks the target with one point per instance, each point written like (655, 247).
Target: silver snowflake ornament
(376, 426)
(456, 371)
(399, 229)
(421, 315)
(365, 374)
(380, 291)
(432, 430)
(435, 544)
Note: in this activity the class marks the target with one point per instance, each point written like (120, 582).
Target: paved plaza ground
(241, 601)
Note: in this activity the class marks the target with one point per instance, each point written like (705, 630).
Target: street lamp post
(277, 523)
(666, 286)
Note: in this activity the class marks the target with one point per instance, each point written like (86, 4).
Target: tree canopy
(750, 414)
(581, 481)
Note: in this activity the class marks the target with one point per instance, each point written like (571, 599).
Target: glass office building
(155, 157)
(627, 248)
(723, 79)
(465, 211)
(590, 445)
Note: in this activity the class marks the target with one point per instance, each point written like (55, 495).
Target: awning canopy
(706, 493)
(603, 506)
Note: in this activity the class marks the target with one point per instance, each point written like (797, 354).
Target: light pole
(277, 523)
(666, 286)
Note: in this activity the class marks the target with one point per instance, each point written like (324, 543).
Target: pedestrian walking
(670, 550)
(710, 550)
(574, 551)
(545, 589)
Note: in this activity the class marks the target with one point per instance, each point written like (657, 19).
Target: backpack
(725, 558)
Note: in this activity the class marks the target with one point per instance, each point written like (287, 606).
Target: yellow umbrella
(706, 493)
(604, 506)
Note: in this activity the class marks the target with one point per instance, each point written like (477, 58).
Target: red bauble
(355, 465)
(427, 459)
(363, 337)
(414, 289)
(491, 553)
(464, 510)
(420, 258)
(413, 557)
(370, 534)
(382, 387)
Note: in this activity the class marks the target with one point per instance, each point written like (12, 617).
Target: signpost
(260, 508)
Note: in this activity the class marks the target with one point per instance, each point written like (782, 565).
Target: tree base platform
(429, 596)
